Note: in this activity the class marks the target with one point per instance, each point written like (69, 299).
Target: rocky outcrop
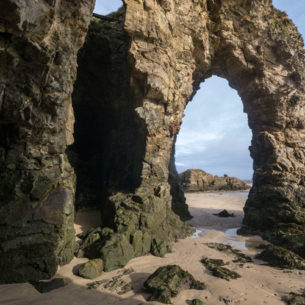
(136, 73)
(39, 42)
(176, 45)
(112, 169)
(197, 180)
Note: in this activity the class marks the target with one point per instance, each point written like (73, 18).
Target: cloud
(215, 135)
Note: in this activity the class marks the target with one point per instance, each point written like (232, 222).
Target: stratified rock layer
(39, 41)
(197, 180)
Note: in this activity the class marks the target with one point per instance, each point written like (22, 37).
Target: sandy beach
(259, 284)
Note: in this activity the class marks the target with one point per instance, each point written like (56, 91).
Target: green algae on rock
(281, 257)
(215, 266)
(294, 299)
(240, 257)
(167, 281)
(92, 269)
(197, 302)
(116, 283)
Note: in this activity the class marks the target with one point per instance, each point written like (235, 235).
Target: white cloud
(189, 142)
(215, 135)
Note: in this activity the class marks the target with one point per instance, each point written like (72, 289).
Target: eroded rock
(92, 269)
(39, 42)
(281, 257)
(224, 214)
(197, 180)
(215, 266)
(294, 299)
(167, 281)
(239, 256)
(136, 73)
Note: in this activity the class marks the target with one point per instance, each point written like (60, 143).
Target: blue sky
(105, 7)
(215, 135)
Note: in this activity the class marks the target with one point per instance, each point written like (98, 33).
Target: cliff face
(39, 41)
(175, 45)
(106, 98)
(197, 180)
(172, 47)
(136, 74)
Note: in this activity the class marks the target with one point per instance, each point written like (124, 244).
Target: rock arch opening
(215, 135)
(212, 155)
(136, 73)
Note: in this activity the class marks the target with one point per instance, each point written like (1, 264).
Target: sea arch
(162, 51)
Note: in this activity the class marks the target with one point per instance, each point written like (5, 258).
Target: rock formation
(39, 42)
(197, 180)
(136, 73)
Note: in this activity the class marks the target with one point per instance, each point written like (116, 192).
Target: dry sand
(259, 284)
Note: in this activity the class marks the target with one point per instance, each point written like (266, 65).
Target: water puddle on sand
(230, 237)
(233, 239)
(197, 233)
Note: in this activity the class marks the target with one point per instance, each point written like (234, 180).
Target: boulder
(167, 281)
(91, 269)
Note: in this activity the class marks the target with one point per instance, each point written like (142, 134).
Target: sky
(215, 135)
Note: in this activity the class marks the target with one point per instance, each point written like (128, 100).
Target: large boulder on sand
(167, 281)
(91, 269)
(197, 180)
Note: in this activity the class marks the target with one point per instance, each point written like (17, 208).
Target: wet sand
(259, 284)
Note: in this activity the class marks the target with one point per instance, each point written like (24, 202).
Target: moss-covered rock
(91, 269)
(116, 251)
(294, 299)
(92, 243)
(281, 257)
(116, 283)
(197, 302)
(215, 266)
(167, 281)
(239, 256)
(160, 247)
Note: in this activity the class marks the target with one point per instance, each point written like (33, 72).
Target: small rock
(224, 213)
(197, 302)
(91, 269)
